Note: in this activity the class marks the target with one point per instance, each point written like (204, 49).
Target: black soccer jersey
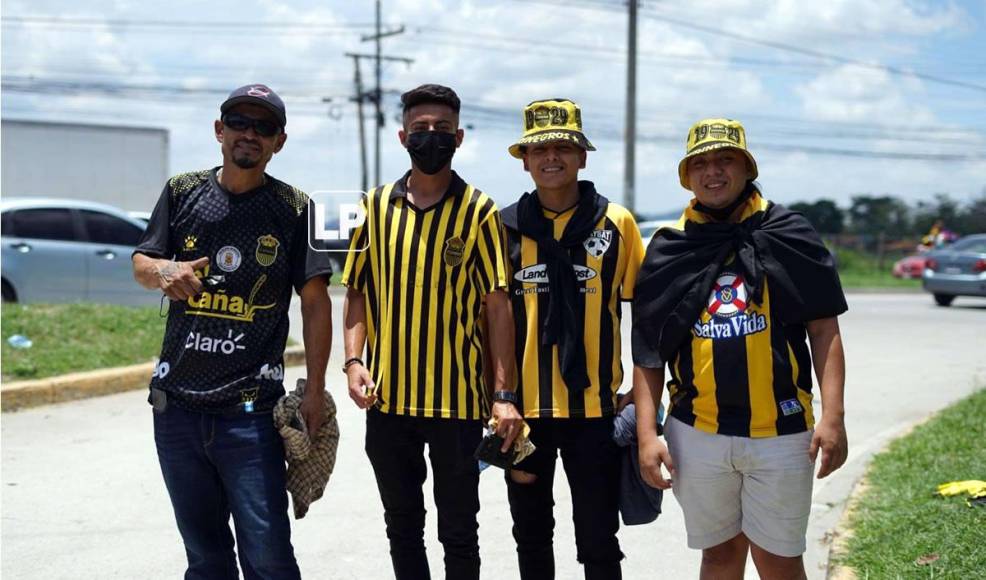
(223, 349)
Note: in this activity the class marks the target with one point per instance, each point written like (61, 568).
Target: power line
(815, 53)
(654, 14)
(508, 118)
(86, 22)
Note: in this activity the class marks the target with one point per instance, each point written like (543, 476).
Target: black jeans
(592, 464)
(395, 445)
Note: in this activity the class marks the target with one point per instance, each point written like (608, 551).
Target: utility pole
(377, 97)
(629, 194)
(378, 91)
(358, 80)
(361, 96)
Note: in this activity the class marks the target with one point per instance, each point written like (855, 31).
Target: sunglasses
(262, 127)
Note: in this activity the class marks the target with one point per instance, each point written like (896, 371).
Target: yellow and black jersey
(606, 266)
(424, 274)
(742, 372)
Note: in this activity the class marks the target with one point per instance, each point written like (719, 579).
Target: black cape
(565, 320)
(681, 266)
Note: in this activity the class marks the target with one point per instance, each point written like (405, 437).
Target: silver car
(60, 250)
(957, 270)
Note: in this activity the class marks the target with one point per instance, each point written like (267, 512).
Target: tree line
(890, 216)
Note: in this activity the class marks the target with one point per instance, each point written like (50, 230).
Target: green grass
(77, 337)
(861, 270)
(900, 518)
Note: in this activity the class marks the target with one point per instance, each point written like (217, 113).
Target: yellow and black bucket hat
(551, 120)
(710, 134)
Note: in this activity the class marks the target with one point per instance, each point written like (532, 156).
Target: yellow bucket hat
(710, 134)
(551, 120)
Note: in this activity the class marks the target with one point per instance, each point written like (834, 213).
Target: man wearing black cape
(573, 257)
(726, 299)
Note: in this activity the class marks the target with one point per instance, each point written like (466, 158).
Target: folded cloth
(639, 502)
(310, 459)
(523, 446)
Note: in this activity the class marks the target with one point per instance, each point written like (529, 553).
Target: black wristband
(350, 362)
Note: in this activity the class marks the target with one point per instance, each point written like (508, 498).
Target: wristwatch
(506, 396)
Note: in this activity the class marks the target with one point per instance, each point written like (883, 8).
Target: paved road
(82, 493)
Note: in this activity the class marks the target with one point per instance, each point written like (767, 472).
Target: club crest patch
(598, 242)
(454, 250)
(228, 258)
(266, 250)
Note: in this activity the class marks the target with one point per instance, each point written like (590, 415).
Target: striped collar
(456, 187)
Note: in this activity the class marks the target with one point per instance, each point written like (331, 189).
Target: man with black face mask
(433, 267)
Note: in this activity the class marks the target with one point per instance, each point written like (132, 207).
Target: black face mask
(430, 150)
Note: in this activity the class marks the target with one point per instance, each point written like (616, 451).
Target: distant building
(121, 166)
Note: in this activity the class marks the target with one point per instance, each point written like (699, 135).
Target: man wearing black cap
(226, 246)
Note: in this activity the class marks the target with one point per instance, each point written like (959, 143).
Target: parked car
(647, 228)
(144, 216)
(910, 267)
(957, 270)
(59, 250)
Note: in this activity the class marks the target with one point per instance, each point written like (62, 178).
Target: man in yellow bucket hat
(726, 299)
(572, 257)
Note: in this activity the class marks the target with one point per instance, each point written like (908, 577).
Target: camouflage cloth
(310, 461)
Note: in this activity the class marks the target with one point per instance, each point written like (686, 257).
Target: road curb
(74, 386)
(842, 533)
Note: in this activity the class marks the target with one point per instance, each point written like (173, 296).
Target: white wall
(122, 166)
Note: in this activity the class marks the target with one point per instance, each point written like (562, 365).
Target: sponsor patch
(728, 296)
(161, 370)
(538, 274)
(219, 304)
(228, 258)
(224, 345)
(189, 243)
(272, 373)
(791, 407)
(730, 316)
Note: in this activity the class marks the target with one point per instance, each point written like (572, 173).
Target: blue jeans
(215, 466)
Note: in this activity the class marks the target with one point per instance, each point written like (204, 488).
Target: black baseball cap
(257, 95)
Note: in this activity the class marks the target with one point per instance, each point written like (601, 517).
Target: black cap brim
(247, 99)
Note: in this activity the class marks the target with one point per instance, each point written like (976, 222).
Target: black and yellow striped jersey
(743, 372)
(424, 274)
(606, 266)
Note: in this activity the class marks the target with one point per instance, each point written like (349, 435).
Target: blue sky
(824, 90)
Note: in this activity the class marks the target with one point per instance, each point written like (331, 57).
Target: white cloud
(683, 75)
(854, 93)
